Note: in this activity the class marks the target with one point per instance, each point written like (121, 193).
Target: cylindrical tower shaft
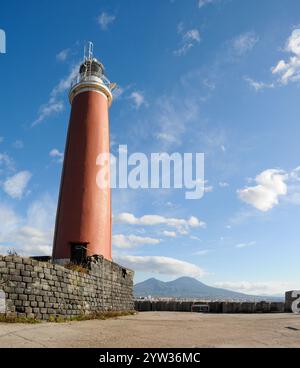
(83, 223)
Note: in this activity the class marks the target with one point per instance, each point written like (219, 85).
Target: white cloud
(15, 186)
(173, 118)
(41, 213)
(195, 222)
(259, 288)
(289, 70)
(208, 189)
(63, 55)
(181, 225)
(35, 241)
(8, 221)
(258, 86)
(18, 144)
(244, 43)
(183, 231)
(138, 99)
(203, 252)
(176, 116)
(223, 184)
(131, 241)
(105, 20)
(285, 71)
(161, 265)
(294, 175)
(167, 137)
(170, 234)
(55, 104)
(29, 235)
(6, 163)
(245, 245)
(192, 35)
(188, 40)
(290, 189)
(202, 3)
(293, 43)
(52, 107)
(57, 155)
(65, 83)
(293, 196)
(271, 184)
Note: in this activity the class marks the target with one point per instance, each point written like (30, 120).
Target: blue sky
(214, 76)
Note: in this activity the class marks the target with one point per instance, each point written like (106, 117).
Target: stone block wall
(40, 289)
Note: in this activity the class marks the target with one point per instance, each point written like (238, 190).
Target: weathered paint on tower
(84, 220)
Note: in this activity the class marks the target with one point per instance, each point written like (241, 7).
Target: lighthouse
(84, 216)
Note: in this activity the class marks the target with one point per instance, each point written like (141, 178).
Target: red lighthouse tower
(83, 220)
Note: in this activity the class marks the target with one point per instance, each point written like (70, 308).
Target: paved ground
(160, 329)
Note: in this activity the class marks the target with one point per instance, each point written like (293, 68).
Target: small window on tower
(78, 253)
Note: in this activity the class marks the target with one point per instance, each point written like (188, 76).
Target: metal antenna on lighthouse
(88, 51)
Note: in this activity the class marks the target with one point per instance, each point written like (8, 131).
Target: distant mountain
(187, 287)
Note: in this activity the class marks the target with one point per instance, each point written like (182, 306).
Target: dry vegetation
(76, 268)
(61, 319)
